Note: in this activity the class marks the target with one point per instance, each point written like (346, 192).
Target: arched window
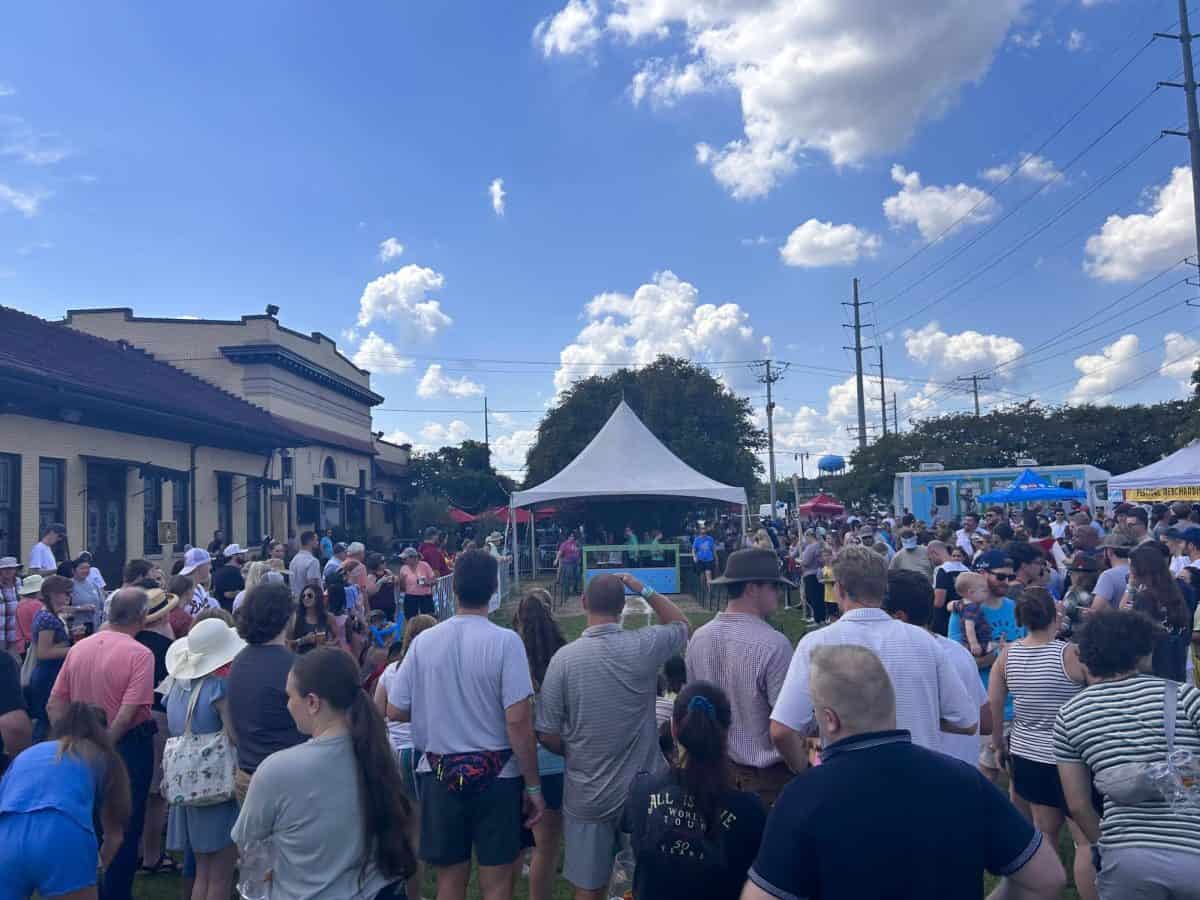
(329, 470)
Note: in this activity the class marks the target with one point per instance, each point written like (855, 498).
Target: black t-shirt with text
(676, 857)
(226, 583)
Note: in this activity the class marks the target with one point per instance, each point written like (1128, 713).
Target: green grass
(790, 622)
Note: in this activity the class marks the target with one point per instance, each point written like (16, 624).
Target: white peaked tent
(1177, 477)
(626, 459)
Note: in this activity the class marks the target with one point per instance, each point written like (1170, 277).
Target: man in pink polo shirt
(113, 671)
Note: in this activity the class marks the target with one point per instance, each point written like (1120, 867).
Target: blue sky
(701, 177)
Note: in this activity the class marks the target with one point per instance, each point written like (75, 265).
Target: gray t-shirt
(457, 679)
(305, 801)
(598, 695)
(1111, 584)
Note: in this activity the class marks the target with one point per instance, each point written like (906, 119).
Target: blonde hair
(969, 581)
(412, 628)
(255, 573)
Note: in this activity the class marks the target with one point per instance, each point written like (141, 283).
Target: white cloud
(1181, 355)
(497, 193)
(6, 89)
(503, 419)
(19, 140)
(399, 437)
(664, 82)
(378, 356)
(1103, 371)
(508, 450)
(438, 435)
(805, 72)
(436, 384)
(815, 244)
(1128, 247)
(1028, 166)
(964, 352)
(570, 30)
(400, 297)
(389, 249)
(23, 202)
(761, 241)
(1029, 40)
(934, 209)
(662, 316)
(1076, 41)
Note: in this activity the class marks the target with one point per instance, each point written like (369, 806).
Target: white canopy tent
(626, 459)
(1176, 477)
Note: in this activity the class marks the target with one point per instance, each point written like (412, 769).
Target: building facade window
(329, 469)
(50, 493)
(152, 513)
(180, 495)
(225, 506)
(254, 525)
(10, 505)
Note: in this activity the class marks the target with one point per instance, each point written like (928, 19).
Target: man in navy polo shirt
(882, 817)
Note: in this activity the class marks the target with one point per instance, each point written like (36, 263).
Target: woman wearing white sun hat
(197, 666)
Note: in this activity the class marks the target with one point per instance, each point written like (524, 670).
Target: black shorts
(415, 604)
(552, 791)
(1037, 782)
(706, 565)
(452, 824)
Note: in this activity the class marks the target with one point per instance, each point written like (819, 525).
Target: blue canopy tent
(1030, 487)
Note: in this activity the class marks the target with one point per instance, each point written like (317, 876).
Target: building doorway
(106, 497)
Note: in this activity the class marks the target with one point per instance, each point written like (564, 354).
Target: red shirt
(109, 670)
(433, 555)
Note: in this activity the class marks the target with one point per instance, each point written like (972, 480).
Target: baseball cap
(339, 548)
(232, 550)
(1191, 535)
(194, 559)
(1173, 533)
(993, 559)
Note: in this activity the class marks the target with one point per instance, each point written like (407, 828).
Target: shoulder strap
(195, 691)
(1170, 704)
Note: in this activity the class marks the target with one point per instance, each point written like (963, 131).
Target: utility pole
(858, 366)
(796, 490)
(769, 378)
(883, 403)
(486, 442)
(1193, 120)
(975, 379)
(895, 415)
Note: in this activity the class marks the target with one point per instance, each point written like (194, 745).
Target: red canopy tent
(820, 505)
(522, 515)
(459, 516)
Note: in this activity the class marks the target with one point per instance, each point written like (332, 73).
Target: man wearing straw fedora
(748, 659)
(9, 600)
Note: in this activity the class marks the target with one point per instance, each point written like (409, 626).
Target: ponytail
(330, 673)
(701, 718)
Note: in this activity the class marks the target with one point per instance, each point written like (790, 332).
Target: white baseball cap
(194, 559)
(232, 550)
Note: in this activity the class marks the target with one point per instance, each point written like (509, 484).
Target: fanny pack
(1129, 784)
(468, 773)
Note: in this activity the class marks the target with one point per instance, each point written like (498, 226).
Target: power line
(990, 194)
(1028, 237)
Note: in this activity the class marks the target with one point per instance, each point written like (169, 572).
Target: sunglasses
(1001, 576)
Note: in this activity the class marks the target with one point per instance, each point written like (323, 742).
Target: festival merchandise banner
(1187, 492)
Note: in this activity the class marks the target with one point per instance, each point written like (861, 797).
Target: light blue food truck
(935, 493)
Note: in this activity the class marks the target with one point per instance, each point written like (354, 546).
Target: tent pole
(532, 544)
(515, 543)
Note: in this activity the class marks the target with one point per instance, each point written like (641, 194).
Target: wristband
(533, 790)
(648, 592)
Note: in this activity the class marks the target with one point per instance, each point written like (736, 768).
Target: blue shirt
(1003, 620)
(327, 547)
(704, 548)
(39, 779)
(205, 718)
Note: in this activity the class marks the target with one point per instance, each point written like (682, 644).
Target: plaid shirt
(8, 615)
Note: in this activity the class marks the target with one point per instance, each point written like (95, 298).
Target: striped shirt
(1039, 684)
(9, 601)
(748, 659)
(1117, 722)
(926, 685)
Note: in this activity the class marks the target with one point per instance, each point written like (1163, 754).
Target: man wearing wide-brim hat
(740, 651)
(9, 600)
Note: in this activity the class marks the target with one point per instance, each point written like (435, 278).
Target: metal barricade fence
(443, 597)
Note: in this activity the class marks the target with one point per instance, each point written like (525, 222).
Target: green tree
(689, 410)
(461, 476)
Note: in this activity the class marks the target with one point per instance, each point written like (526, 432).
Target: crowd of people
(302, 724)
